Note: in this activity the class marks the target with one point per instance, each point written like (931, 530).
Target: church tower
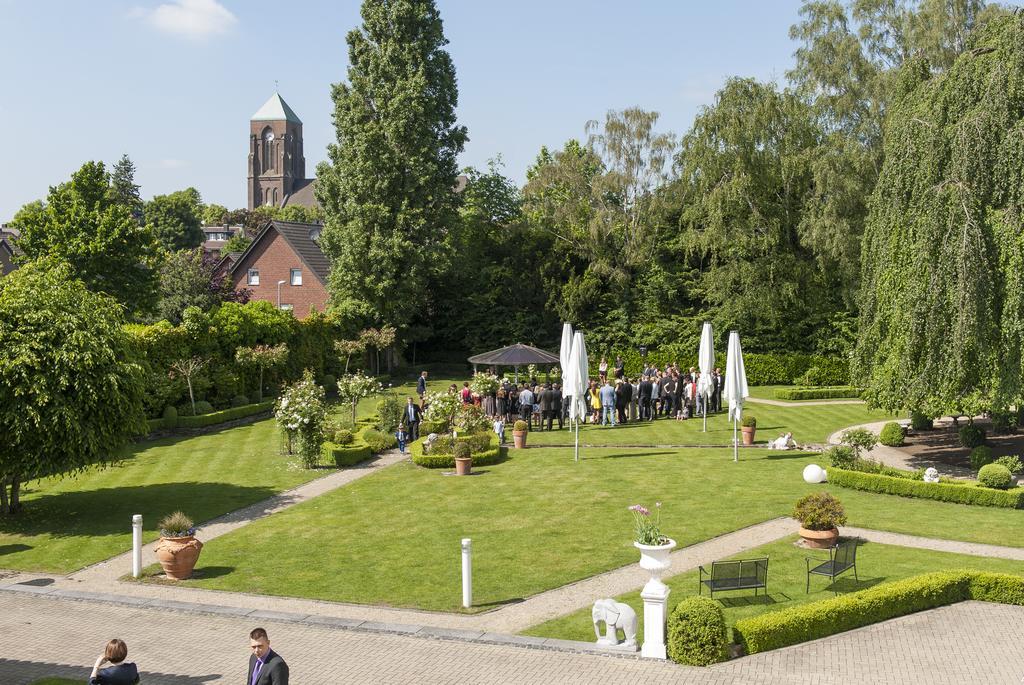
(276, 164)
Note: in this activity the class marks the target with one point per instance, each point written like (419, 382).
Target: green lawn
(807, 423)
(68, 523)
(57, 681)
(787, 576)
(537, 521)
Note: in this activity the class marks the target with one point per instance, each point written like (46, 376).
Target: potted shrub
(463, 459)
(654, 547)
(749, 428)
(819, 515)
(519, 433)
(178, 550)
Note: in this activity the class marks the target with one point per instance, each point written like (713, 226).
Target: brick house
(8, 250)
(285, 266)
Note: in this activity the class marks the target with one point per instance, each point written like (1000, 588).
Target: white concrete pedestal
(655, 596)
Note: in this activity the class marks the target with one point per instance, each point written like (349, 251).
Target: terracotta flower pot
(463, 465)
(178, 556)
(819, 539)
(519, 438)
(748, 434)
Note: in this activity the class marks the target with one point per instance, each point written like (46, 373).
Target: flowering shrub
(470, 418)
(819, 511)
(484, 383)
(352, 387)
(648, 529)
(441, 406)
(301, 411)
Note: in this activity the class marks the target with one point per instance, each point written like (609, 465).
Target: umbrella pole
(577, 422)
(705, 414)
(735, 444)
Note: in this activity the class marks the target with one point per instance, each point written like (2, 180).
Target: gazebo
(514, 355)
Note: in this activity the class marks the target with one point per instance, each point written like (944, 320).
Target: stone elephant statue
(616, 616)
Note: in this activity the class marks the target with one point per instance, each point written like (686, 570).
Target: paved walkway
(971, 642)
(897, 458)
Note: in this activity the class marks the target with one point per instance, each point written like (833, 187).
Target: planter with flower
(519, 430)
(749, 427)
(178, 549)
(654, 547)
(463, 459)
(819, 515)
(301, 412)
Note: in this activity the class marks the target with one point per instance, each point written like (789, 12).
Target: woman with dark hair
(119, 672)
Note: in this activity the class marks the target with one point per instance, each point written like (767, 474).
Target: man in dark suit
(645, 398)
(717, 384)
(421, 384)
(547, 407)
(412, 417)
(668, 395)
(556, 406)
(266, 667)
(623, 393)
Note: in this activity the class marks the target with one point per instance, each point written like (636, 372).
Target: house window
(287, 307)
(254, 276)
(296, 276)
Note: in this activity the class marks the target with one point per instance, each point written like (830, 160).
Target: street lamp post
(279, 284)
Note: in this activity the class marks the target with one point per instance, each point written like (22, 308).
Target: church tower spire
(276, 161)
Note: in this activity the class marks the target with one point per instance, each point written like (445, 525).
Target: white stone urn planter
(655, 560)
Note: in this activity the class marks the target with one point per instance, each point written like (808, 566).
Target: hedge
(837, 392)
(943, 492)
(428, 427)
(881, 603)
(697, 634)
(346, 455)
(210, 419)
(492, 455)
(761, 369)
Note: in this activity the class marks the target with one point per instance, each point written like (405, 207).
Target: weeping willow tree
(942, 303)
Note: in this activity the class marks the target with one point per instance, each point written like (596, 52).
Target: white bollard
(136, 545)
(467, 573)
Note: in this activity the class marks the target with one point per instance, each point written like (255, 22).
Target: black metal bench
(741, 574)
(841, 558)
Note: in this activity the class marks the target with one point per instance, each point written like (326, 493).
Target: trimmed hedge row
(213, 418)
(346, 455)
(943, 492)
(492, 455)
(881, 603)
(833, 393)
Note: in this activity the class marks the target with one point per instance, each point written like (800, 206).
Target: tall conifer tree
(388, 188)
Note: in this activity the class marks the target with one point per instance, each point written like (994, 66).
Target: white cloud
(172, 163)
(193, 19)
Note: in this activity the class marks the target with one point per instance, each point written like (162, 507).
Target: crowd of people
(611, 399)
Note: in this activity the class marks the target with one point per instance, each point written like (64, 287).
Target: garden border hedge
(346, 455)
(943, 492)
(213, 418)
(880, 603)
(493, 455)
(840, 392)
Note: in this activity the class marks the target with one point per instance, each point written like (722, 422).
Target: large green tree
(942, 305)
(69, 393)
(189, 278)
(123, 189)
(80, 224)
(176, 219)
(387, 191)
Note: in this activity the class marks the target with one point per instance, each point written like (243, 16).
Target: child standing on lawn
(402, 435)
(499, 429)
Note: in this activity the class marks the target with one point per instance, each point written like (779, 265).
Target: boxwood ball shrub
(520, 426)
(920, 422)
(239, 401)
(981, 456)
(461, 451)
(819, 511)
(170, 413)
(971, 436)
(749, 421)
(891, 435)
(343, 436)
(995, 476)
(697, 633)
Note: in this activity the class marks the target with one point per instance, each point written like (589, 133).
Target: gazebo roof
(515, 355)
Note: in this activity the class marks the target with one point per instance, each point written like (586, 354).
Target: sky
(173, 83)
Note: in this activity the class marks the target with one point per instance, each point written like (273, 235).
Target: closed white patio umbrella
(735, 390)
(579, 374)
(706, 362)
(565, 349)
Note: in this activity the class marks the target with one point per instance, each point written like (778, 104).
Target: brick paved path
(971, 642)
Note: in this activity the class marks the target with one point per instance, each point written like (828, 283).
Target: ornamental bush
(343, 436)
(995, 476)
(520, 426)
(389, 413)
(377, 440)
(697, 634)
(1011, 462)
(971, 436)
(859, 439)
(239, 401)
(920, 422)
(301, 412)
(749, 421)
(461, 451)
(891, 435)
(958, 492)
(170, 414)
(819, 511)
(826, 393)
(842, 456)
(981, 456)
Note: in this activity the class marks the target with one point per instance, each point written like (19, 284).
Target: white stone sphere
(814, 474)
